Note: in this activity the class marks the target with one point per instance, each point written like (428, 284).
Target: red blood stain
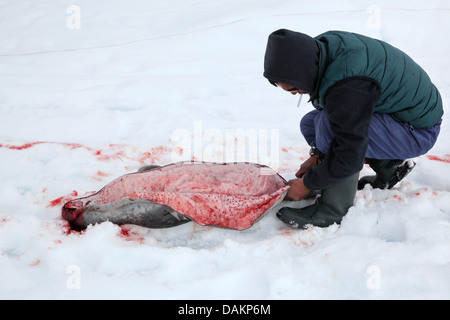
(100, 175)
(131, 235)
(178, 150)
(58, 201)
(154, 155)
(22, 147)
(285, 232)
(67, 230)
(425, 191)
(110, 152)
(145, 157)
(445, 158)
(35, 262)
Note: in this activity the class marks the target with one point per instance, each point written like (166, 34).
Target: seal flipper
(148, 168)
(140, 212)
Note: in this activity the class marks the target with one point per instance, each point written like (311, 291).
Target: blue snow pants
(388, 138)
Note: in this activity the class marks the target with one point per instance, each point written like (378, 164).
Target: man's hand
(297, 190)
(308, 164)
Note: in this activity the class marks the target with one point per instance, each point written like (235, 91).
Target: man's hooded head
(292, 58)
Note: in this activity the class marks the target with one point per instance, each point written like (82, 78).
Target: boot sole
(402, 171)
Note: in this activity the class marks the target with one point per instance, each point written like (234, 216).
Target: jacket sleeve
(350, 105)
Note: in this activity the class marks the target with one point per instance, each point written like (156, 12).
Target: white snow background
(108, 86)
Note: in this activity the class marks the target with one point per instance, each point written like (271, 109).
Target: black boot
(329, 208)
(388, 173)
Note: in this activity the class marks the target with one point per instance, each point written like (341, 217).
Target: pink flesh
(228, 195)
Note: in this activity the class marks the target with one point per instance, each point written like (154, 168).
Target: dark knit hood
(292, 58)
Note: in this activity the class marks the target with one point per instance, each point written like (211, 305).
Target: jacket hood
(292, 58)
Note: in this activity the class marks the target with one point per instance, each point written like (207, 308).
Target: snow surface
(141, 82)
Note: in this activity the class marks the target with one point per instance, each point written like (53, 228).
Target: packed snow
(94, 90)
